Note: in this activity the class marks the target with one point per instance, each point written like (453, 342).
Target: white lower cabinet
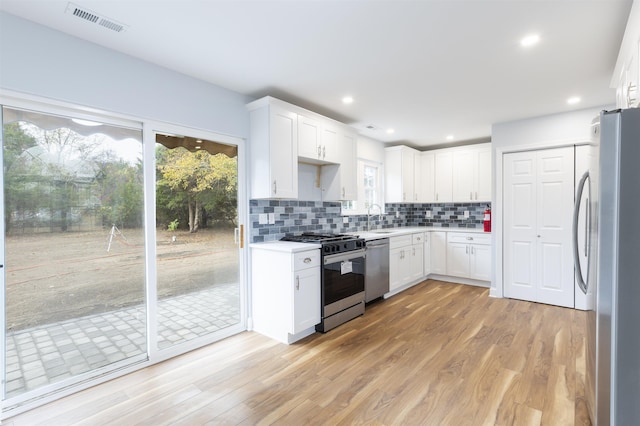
(469, 255)
(438, 252)
(285, 293)
(427, 253)
(406, 260)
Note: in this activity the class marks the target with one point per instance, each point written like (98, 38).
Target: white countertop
(285, 246)
(394, 232)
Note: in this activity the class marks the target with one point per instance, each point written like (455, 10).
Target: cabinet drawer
(400, 241)
(417, 238)
(306, 259)
(468, 238)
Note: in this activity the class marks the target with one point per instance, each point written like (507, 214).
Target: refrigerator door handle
(582, 282)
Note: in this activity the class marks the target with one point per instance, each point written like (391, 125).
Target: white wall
(40, 61)
(549, 130)
(370, 149)
(533, 133)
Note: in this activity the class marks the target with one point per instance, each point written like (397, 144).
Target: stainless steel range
(342, 276)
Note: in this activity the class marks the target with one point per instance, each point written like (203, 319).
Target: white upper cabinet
(461, 174)
(626, 77)
(425, 178)
(319, 140)
(472, 174)
(443, 176)
(399, 164)
(274, 150)
(339, 181)
(309, 138)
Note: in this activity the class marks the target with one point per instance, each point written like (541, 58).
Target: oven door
(342, 281)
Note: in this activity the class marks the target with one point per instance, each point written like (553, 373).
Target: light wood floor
(436, 354)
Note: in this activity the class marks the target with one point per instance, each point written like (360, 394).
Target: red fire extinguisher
(487, 219)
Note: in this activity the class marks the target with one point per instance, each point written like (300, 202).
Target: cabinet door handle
(307, 260)
(297, 282)
(275, 187)
(466, 249)
(404, 196)
(343, 192)
(471, 195)
(472, 250)
(436, 196)
(324, 152)
(476, 195)
(414, 251)
(631, 99)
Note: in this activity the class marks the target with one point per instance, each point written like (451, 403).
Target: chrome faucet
(369, 215)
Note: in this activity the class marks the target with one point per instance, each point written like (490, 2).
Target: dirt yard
(54, 277)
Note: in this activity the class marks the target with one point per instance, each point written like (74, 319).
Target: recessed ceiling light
(390, 131)
(573, 100)
(347, 100)
(530, 40)
(449, 137)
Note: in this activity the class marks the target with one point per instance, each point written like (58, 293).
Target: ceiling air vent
(94, 18)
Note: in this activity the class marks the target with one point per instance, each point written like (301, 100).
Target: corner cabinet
(438, 252)
(285, 292)
(274, 150)
(399, 163)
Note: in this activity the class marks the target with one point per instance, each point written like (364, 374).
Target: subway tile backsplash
(295, 217)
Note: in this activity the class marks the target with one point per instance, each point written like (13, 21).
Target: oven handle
(342, 257)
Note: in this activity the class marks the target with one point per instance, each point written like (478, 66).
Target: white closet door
(555, 208)
(538, 192)
(519, 265)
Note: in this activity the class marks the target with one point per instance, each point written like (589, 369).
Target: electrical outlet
(397, 215)
(272, 218)
(466, 214)
(263, 219)
(345, 219)
(427, 214)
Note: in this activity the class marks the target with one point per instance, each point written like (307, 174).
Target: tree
(200, 180)
(15, 141)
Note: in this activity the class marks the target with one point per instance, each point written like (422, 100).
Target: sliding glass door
(121, 246)
(74, 268)
(197, 259)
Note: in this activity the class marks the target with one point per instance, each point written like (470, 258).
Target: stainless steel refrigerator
(611, 278)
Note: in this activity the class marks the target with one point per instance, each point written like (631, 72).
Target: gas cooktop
(312, 237)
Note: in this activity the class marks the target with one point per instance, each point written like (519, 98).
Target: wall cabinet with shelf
(283, 135)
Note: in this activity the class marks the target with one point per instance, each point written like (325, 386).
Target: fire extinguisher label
(487, 216)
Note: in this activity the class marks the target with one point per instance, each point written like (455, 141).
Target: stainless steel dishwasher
(376, 279)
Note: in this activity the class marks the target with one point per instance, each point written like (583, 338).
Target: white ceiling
(425, 68)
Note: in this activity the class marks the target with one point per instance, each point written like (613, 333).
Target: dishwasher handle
(377, 243)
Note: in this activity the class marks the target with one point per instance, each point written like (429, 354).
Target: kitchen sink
(380, 231)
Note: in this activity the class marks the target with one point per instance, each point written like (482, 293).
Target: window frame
(361, 207)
